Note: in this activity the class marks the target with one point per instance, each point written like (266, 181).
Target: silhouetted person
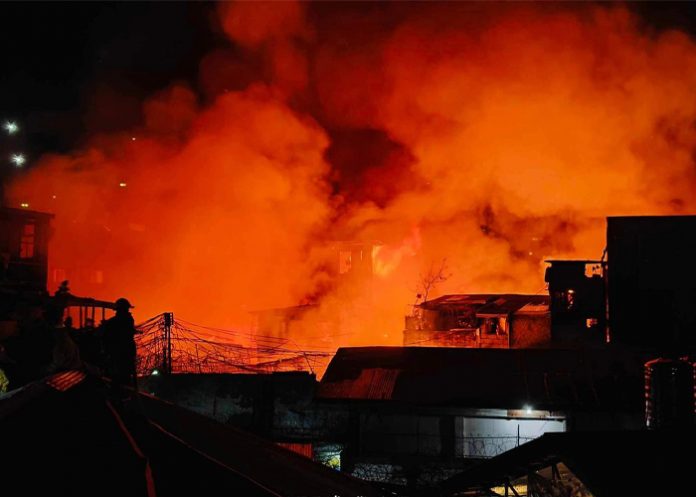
(119, 345)
(63, 288)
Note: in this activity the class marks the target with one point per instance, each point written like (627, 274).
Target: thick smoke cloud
(489, 136)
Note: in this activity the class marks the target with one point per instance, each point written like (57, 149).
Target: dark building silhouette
(24, 238)
(651, 281)
(576, 289)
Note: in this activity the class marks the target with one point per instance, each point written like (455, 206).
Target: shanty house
(480, 321)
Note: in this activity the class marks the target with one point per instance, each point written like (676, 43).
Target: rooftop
(548, 379)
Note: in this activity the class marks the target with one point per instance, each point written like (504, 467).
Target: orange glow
(524, 125)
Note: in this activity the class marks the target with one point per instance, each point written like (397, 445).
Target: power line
(178, 346)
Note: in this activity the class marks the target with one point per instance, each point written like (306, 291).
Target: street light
(11, 127)
(18, 159)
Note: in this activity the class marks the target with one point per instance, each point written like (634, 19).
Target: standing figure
(119, 345)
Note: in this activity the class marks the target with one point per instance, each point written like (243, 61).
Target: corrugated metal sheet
(66, 380)
(505, 305)
(372, 383)
(549, 379)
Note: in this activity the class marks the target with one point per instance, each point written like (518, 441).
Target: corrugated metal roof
(372, 383)
(486, 304)
(505, 305)
(458, 300)
(548, 379)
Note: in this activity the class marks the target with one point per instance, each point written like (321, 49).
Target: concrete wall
(467, 436)
(530, 330)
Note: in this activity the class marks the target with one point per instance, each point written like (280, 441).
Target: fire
(503, 133)
(387, 259)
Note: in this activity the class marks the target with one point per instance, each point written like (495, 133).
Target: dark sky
(62, 61)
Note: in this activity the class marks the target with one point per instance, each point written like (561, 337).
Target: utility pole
(167, 349)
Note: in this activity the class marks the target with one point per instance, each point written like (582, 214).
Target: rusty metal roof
(485, 304)
(457, 300)
(505, 305)
(548, 379)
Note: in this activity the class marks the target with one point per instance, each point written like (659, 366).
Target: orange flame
(513, 131)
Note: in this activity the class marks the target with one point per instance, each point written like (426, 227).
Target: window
(26, 244)
(345, 262)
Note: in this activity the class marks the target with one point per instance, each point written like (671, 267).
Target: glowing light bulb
(24, 205)
(123, 184)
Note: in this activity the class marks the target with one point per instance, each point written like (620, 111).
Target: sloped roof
(548, 379)
(609, 464)
(493, 304)
(458, 300)
(507, 304)
(24, 213)
(63, 436)
(279, 470)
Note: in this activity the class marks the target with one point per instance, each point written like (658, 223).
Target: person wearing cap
(119, 345)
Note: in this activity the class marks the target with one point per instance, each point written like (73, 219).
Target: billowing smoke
(474, 140)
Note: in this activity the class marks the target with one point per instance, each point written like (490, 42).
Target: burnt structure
(576, 289)
(350, 268)
(480, 320)
(652, 281)
(641, 295)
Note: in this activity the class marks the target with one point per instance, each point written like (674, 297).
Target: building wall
(488, 437)
(24, 249)
(462, 436)
(652, 281)
(403, 448)
(530, 330)
(277, 406)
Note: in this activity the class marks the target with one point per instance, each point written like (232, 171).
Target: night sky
(61, 60)
(73, 69)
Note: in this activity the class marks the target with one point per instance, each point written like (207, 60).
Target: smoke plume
(488, 136)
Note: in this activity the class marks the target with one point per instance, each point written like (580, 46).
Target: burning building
(348, 273)
(485, 321)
